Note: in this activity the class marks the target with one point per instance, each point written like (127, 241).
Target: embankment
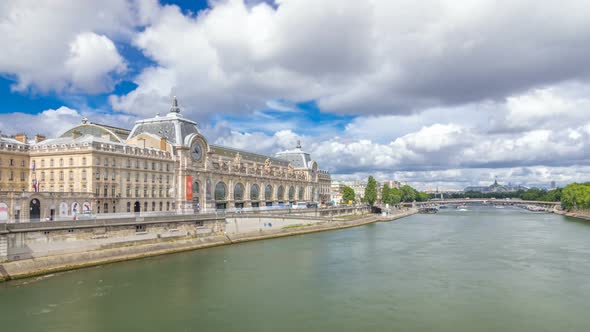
(160, 246)
(581, 214)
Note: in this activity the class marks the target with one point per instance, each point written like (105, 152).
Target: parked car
(300, 205)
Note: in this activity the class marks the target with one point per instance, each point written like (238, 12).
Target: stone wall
(49, 239)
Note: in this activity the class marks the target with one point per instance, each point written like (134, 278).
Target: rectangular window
(139, 228)
(128, 176)
(11, 162)
(98, 174)
(22, 163)
(61, 175)
(22, 176)
(71, 175)
(106, 174)
(113, 194)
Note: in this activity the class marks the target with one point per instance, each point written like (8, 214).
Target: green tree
(422, 197)
(395, 196)
(576, 196)
(348, 194)
(408, 194)
(371, 191)
(386, 194)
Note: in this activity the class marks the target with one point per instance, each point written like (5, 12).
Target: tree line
(391, 196)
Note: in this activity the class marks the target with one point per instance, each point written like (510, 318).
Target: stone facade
(164, 164)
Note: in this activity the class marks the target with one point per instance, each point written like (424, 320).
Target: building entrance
(35, 210)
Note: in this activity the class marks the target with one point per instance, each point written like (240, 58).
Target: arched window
(291, 193)
(128, 206)
(268, 193)
(71, 161)
(300, 193)
(238, 192)
(196, 187)
(254, 192)
(281, 193)
(153, 206)
(220, 191)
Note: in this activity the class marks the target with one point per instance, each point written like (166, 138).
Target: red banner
(189, 188)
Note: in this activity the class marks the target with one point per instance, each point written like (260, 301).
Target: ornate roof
(297, 157)
(173, 126)
(114, 134)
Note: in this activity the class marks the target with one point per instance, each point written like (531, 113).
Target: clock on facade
(196, 151)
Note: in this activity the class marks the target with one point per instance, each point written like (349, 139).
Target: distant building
(336, 191)
(495, 188)
(553, 185)
(393, 184)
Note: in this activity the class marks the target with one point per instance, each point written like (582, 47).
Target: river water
(484, 269)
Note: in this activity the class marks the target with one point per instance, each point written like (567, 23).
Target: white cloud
(367, 57)
(91, 59)
(51, 46)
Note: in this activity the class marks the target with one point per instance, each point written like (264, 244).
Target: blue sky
(416, 92)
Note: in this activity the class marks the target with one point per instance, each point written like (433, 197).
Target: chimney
(21, 137)
(39, 138)
(163, 143)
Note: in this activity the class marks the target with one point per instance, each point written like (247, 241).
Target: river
(485, 269)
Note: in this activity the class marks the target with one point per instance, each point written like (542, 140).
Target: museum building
(163, 164)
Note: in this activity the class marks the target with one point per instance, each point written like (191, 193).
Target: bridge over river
(492, 201)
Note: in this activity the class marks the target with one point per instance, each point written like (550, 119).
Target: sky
(438, 94)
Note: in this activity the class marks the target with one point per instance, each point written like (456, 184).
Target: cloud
(64, 47)
(92, 58)
(367, 57)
